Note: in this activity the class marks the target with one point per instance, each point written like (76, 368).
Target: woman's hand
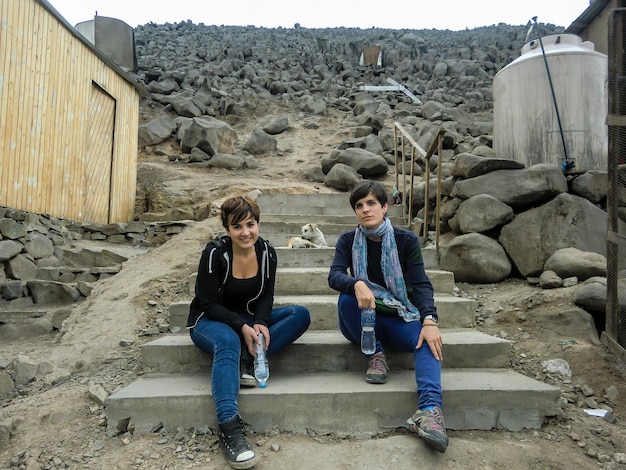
(364, 295)
(266, 334)
(431, 334)
(250, 337)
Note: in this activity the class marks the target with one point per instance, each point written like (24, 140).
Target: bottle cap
(262, 384)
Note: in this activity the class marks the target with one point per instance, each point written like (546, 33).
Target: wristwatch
(431, 318)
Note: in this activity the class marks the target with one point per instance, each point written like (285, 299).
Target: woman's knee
(303, 315)
(347, 303)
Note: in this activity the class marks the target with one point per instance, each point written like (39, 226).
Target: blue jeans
(398, 334)
(287, 324)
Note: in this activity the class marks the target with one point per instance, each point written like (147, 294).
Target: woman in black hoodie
(233, 304)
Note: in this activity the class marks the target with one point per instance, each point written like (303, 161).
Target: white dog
(311, 237)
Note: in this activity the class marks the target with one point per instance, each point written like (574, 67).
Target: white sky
(395, 14)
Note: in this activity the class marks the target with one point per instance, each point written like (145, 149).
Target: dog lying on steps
(311, 237)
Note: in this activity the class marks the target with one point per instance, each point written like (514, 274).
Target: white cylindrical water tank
(525, 121)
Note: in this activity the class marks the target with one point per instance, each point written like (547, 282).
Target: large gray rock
(20, 267)
(342, 177)
(156, 131)
(261, 143)
(572, 262)
(592, 185)
(274, 124)
(369, 143)
(475, 258)
(366, 163)
(9, 249)
(38, 245)
(221, 160)
(11, 229)
(209, 135)
(80, 258)
(50, 292)
(482, 213)
(517, 188)
(566, 221)
(591, 296)
(470, 165)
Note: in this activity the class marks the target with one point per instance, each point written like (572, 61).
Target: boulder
(366, 163)
(209, 135)
(475, 258)
(482, 213)
(517, 188)
(572, 262)
(566, 221)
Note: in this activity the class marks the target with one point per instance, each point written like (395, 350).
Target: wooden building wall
(68, 121)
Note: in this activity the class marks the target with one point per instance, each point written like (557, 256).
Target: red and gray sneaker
(377, 369)
(430, 427)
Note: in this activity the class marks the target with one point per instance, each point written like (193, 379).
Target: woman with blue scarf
(380, 266)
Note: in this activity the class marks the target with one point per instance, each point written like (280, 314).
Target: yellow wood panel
(58, 83)
(16, 81)
(40, 136)
(49, 134)
(30, 111)
(4, 73)
(45, 80)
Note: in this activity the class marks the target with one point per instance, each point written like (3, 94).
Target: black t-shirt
(237, 292)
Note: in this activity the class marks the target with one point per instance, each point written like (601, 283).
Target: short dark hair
(239, 208)
(362, 189)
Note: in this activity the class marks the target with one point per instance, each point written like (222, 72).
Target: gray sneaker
(430, 427)
(377, 369)
(246, 372)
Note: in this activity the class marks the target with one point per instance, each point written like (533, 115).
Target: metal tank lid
(556, 44)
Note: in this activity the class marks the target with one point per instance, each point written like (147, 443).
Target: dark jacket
(213, 272)
(419, 288)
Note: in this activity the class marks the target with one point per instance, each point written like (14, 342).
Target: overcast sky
(397, 14)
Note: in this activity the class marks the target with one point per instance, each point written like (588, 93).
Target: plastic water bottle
(368, 336)
(261, 366)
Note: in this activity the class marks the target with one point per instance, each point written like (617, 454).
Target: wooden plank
(405, 90)
(379, 88)
(42, 127)
(30, 110)
(56, 182)
(51, 136)
(5, 55)
(16, 111)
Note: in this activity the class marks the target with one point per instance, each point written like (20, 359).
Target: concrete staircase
(318, 383)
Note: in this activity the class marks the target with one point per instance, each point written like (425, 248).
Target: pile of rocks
(41, 263)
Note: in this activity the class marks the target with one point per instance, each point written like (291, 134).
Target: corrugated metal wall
(68, 122)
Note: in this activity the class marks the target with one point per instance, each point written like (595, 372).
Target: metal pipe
(567, 165)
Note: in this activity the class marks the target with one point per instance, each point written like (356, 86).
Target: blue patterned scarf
(395, 296)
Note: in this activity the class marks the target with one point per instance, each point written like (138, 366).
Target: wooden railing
(405, 139)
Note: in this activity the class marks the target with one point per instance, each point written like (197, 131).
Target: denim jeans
(287, 324)
(396, 333)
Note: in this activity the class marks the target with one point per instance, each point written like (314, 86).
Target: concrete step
(339, 403)
(454, 312)
(294, 229)
(314, 281)
(279, 240)
(312, 204)
(323, 257)
(321, 220)
(329, 351)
